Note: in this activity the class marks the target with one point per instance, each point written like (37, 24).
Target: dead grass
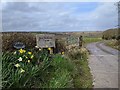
(113, 43)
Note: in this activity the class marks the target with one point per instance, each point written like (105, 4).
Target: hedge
(9, 38)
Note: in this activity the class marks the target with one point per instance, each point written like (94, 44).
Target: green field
(91, 40)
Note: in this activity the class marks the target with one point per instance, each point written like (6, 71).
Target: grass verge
(42, 71)
(113, 43)
(38, 69)
(83, 77)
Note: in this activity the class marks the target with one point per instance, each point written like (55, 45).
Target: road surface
(103, 63)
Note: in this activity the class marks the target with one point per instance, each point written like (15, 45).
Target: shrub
(118, 37)
(113, 37)
(60, 45)
(77, 53)
(8, 39)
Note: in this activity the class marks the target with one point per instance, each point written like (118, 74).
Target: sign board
(45, 40)
(72, 40)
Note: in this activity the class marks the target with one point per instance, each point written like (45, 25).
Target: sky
(59, 16)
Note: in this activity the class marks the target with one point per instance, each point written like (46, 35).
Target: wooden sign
(45, 40)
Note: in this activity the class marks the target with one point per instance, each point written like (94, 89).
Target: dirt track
(103, 63)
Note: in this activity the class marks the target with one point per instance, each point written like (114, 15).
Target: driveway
(103, 62)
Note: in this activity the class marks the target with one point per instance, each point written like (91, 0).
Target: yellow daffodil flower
(63, 53)
(28, 61)
(30, 53)
(22, 51)
(22, 70)
(17, 65)
(32, 56)
(49, 48)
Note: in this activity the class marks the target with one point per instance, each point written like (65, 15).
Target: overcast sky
(59, 16)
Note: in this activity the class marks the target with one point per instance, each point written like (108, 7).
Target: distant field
(90, 40)
(89, 34)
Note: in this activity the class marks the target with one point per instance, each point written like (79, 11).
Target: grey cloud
(56, 17)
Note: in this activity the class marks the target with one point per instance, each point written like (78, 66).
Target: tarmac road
(103, 62)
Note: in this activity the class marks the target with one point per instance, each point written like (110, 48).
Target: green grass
(62, 73)
(83, 77)
(91, 40)
(44, 71)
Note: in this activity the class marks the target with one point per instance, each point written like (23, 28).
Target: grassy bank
(39, 69)
(83, 77)
(113, 43)
(36, 69)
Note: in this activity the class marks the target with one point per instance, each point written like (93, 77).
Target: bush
(118, 37)
(60, 45)
(113, 37)
(8, 39)
(77, 53)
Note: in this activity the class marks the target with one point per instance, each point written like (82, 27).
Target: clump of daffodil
(62, 53)
(49, 48)
(28, 61)
(22, 70)
(31, 56)
(20, 59)
(22, 51)
(30, 53)
(17, 65)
